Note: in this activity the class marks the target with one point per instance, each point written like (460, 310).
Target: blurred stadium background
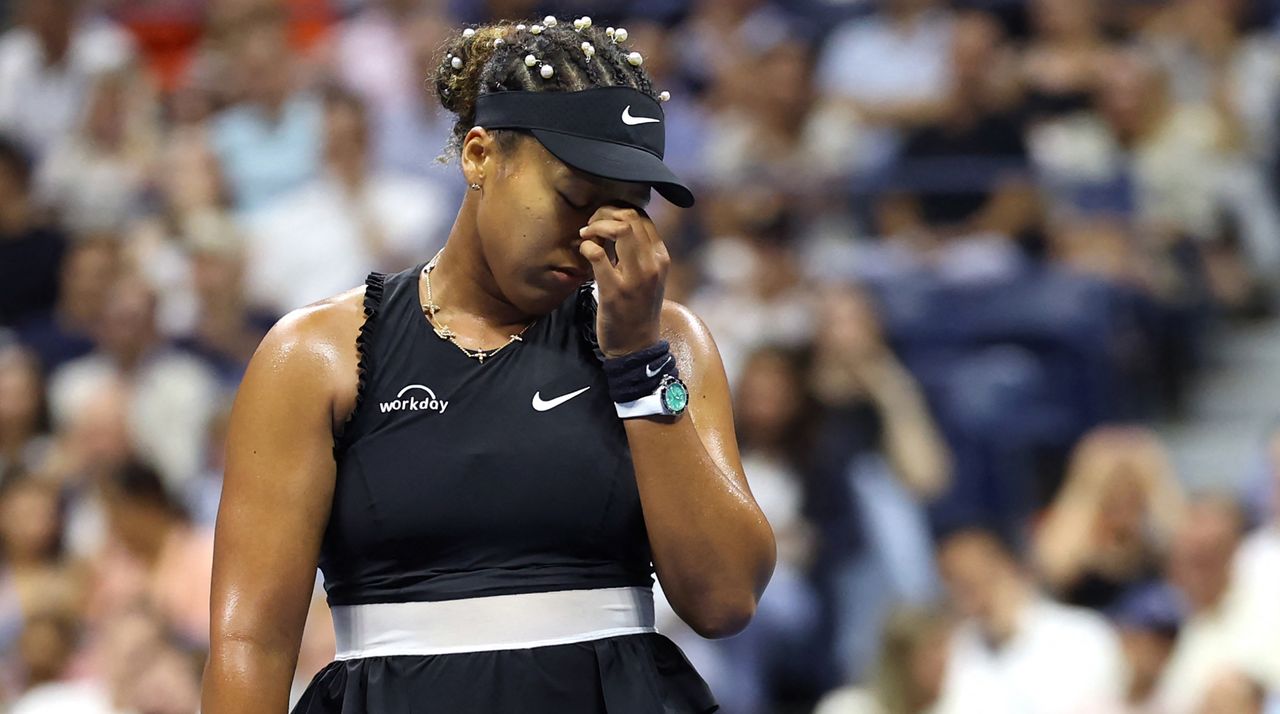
(994, 281)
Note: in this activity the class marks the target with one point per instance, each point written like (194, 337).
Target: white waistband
(500, 622)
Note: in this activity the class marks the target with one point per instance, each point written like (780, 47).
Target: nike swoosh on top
(632, 121)
(543, 405)
(651, 372)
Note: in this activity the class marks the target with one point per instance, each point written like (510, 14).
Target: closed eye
(571, 204)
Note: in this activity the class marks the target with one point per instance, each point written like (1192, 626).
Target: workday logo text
(415, 398)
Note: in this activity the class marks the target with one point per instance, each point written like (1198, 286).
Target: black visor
(613, 132)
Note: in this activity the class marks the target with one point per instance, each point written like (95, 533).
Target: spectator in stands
(171, 396)
(382, 53)
(47, 64)
(34, 573)
(324, 237)
(1177, 149)
(1257, 575)
(1216, 57)
(966, 174)
(227, 327)
(891, 69)
(83, 279)
(134, 666)
(45, 649)
(1062, 62)
(715, 34)
(25, 440)
(270, 141)
(755, 293)
(1008, 652)
(1214, 61)
(95, 442)
(909, 673)
(1107, 531)
(30, 250)
(773, 132)
(188, 196)
(878, 459)
(1218, 632)
(153, 555)
(1233, 693)
(1148, 620)
(93, 177)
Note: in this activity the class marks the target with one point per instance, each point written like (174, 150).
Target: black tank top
(451, 484)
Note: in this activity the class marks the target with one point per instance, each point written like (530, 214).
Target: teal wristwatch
(671, 398)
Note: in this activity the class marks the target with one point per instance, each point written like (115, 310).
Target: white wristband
(650, 405)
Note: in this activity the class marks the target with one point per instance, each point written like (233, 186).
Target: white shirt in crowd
(310, 244)
(1062, 660)
(875, 59)
(1241, 634)
(40, 103)
(173, 398)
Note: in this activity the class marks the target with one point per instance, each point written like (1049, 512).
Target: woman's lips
(571, 275)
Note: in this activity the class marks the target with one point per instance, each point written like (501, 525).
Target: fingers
(635, 239)
(601, 266)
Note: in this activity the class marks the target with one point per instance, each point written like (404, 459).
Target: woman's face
(1124, 507)
(19, 392)
(768, 397)
(528, 215)
(29, 522)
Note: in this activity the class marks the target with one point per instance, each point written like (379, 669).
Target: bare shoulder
(694, 349)
(315, 346)
(686, 332)
(701, 368)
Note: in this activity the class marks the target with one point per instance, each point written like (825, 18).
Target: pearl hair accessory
(549, 20)
(520, 26)
(498, 42)
(582, 23)
(588, 49)
(609, 32)
(664, 96)
(546, 70)
(469, 32)
(620, 34)
(536, 29)
(635, 59)
(456, 63)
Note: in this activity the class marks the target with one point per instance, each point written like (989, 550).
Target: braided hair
(493, 58)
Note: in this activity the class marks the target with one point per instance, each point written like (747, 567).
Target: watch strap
(649, 405)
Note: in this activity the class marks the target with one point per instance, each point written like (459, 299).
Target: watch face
(675, 397)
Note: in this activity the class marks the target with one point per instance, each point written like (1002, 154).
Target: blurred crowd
(956, 254)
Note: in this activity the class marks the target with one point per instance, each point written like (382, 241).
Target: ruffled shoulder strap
(374, 285)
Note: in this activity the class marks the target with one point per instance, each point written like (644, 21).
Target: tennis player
(491, 454)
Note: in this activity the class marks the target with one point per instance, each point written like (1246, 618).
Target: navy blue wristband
(638, 374)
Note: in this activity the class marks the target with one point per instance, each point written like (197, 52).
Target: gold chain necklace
(430, 308)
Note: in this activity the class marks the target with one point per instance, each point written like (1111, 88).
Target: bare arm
(275, 503)
(1063, 543)
(713, 550)
(912, 443)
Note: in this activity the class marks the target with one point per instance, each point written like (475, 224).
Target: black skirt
(630, 674)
